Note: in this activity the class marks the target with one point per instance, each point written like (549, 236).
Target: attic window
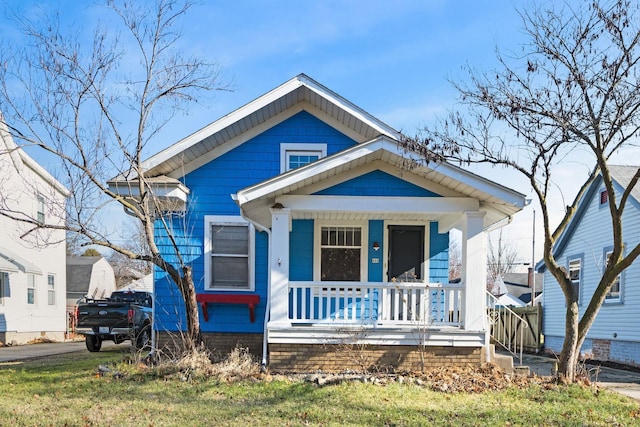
(293, 156)
(604, 197)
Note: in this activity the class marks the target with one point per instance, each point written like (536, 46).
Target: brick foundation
(601, 349)
(335, 358)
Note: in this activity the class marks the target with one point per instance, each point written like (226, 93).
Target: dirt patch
(447, 380)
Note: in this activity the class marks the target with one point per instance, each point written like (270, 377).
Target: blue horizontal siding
(376, 234)
(377, 184)
(438, 255)
(301, 244)
(211, 188)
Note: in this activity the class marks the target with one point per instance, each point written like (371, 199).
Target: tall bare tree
(95, 101)
(502, 257)
(572, 91)
(455, 259)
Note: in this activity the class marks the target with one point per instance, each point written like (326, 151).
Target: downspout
(263, 364)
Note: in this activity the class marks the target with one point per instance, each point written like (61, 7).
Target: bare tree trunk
(194, 335)
(185, 284)
(570, 353)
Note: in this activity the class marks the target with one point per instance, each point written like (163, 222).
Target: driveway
(618, 380)
(35, 351)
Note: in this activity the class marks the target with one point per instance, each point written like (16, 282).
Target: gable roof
(621, 175)
(384, 153)
(298, 94)
(21, 159)
(79, 269)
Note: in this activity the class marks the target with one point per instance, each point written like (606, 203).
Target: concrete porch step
(503, 361)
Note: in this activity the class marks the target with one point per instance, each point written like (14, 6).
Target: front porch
(374, 313)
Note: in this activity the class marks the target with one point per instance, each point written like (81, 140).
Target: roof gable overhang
(298, 94)
(461, 191)
(168, 194)
(621, 176)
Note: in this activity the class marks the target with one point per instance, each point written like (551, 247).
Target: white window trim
(364, 255)
(618, 299)
(285, 148)
(227, 220)
(40, 209)
(580, 281)
(35, 290)
(49, 290)
(426, 268)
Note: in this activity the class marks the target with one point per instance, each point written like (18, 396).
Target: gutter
(263, 364)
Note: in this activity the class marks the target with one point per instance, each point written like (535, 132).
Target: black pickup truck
(124, 315)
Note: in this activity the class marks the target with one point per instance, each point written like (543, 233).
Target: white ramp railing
(506, 326)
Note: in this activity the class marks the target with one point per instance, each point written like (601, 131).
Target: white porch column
(474, 270)
(279, 265)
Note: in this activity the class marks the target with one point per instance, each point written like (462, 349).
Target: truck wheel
(143, 340)
(93, 343)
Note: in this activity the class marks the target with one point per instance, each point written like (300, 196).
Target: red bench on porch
(249, 299)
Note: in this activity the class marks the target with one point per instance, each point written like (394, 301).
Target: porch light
(376, 246)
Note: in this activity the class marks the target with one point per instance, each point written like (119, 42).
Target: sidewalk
(618, 380)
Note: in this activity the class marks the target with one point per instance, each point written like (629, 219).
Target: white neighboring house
(90, 276)
(144, 284)
(32, 262)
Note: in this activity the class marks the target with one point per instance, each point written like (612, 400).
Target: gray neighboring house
(89, 276)
(583, 249)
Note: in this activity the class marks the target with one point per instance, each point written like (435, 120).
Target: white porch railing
(375, 303)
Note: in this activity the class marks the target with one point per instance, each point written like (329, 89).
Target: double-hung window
(341, 253)
(31, 289)
(229, 262)
(40, 209)
(614, 293)
(575, 268)
(51, 289)
(293, 156)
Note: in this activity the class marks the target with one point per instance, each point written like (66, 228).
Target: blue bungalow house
(310, 228)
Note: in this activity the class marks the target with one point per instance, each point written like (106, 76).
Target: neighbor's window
(40, 203)
(292, 156)
(31, 289)
(3, 283)
(230, 253)
(341, 254)
(575, 266)
(614, 292)
(51, 289)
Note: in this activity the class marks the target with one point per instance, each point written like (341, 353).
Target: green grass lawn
(65, 390)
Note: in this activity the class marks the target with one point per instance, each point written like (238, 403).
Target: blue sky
(391, 58)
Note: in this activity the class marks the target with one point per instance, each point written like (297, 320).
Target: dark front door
(406, 252)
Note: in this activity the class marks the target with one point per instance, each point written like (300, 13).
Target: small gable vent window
(604, 197)
(293, 156)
